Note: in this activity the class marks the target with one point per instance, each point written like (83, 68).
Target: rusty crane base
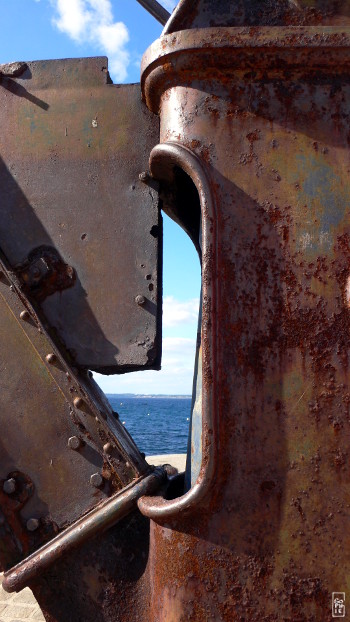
(252, 159)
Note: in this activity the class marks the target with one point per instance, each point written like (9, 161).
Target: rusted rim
(193, 54)
(164, 158)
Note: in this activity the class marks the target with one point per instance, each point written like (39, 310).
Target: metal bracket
(63, 435)
(98, 520)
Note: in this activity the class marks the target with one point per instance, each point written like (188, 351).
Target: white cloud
(175, 377)
(176, 312)
(91, 21)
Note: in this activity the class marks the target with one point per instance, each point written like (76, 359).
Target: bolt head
(107, 448)
(78, 402)
(74, 442)
(50, 358)
(32, 524)
(24, 315)
(96, 480)
(140, 300)
(9, 486)
(144, 176)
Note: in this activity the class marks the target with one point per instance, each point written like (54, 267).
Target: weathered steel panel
(63, 450)
(77, 223)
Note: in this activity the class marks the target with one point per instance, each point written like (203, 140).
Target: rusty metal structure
(251, 158)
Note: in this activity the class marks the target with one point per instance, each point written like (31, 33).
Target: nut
(107, 448)
(96, 480)
(78, 402)
(50, 358)
(140, 300)
(9, 486)
(32, 524)
(74, 442)
(144, 176)
(24, 315)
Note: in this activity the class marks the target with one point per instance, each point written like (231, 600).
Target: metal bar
(98, 520)
(155, 9)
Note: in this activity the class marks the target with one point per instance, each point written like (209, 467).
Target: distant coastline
(147, 396)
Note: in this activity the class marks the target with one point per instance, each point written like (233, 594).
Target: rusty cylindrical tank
(254, 104)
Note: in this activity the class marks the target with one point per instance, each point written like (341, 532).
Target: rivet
(144, 176)
(24, 315)
(140, 300)
(32, 524)
(78, 402)
(12, 288)
(9, 486)
(74, 442)
(107, 448)
(50, 358)
(96, 480)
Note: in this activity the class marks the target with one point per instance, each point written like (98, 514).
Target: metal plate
(70, 194)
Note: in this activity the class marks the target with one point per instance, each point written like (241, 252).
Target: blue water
(157, 425)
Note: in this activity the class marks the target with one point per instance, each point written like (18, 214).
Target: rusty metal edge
(163, 159)
(102, 517)
(178, 13)
(156, 10)
(179, 53)
(85, 387)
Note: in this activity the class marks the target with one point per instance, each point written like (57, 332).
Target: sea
(158, 424)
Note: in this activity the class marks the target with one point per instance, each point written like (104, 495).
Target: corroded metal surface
(75, 219)
(264, 115)
(101, 518)
(257, 13)
(46, 482)
(254, 109)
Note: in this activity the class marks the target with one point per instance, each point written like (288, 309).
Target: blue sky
(122, 30)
